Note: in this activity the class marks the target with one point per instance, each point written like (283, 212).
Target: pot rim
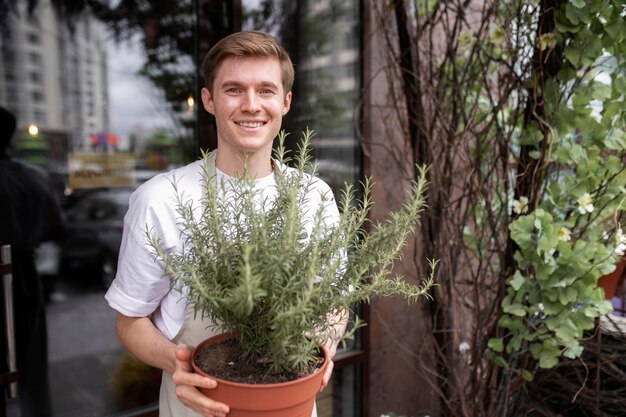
(230, 335)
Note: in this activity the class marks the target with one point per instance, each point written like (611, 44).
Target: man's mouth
(250, 124)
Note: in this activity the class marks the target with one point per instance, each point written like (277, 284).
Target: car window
(101, 210)
(101, 206)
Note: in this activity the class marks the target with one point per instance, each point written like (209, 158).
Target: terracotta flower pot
(288, 399)
(611, 281)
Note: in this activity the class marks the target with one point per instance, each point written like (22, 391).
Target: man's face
(248, 102)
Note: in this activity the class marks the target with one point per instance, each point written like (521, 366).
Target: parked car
(94, 233)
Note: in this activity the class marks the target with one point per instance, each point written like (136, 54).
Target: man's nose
(250, 102)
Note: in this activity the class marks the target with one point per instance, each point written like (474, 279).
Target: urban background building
(53, 76)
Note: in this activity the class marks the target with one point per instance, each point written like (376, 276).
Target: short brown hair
(251, 43)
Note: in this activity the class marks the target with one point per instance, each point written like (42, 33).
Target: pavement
(83, 352)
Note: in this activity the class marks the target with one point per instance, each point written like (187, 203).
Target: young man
(248, 78)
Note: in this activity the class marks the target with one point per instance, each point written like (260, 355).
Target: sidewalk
(82, 350)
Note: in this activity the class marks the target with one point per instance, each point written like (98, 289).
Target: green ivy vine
(572, 231)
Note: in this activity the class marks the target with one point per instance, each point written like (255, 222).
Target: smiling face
(248, 101)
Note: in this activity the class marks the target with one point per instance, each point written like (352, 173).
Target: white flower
(464, 347)
(540, 306)
(563, 234)
(466, 38)
(497, 36)
(585, 204)
(547, 41)
(520, 206)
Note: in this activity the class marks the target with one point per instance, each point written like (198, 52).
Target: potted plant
(272, 284)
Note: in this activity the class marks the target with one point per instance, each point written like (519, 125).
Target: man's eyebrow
(233, 83)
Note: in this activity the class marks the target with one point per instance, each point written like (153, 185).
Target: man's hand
(187, 381)
(331, 347)
(327, 374)
(338, 323)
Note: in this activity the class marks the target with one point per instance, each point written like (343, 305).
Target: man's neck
(255, 165)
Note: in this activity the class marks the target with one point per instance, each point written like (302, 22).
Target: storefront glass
(323, 38)
(99, 117)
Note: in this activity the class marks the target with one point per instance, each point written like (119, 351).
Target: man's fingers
(327, 374)
(187, 382)
(183, 354)
(199, 402)
(196, 380)
(184, 374)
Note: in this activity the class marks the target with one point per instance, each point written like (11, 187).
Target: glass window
(341, 396)
(35, 77)
(39, 116)
(106, 118)
(37, 96)
(34, 58)
(34, 38)
(125, 122)
(322, 39)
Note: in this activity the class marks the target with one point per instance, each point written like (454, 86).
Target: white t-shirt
(140, 289)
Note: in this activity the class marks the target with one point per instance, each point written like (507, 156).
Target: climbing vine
(518, 107)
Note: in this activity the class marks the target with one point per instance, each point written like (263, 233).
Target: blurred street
(83, 350)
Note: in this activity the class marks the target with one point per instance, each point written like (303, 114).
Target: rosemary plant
(251, 266)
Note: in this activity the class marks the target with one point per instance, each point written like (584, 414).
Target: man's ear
(287, 103)
(207, 100)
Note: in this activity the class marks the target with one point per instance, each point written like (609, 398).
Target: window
(33, 38)
(34, 58)
(324, 99)
(39, 116)
(80, 374)
(11, 95)
(9, 75)
(37, 96)
(92, 377)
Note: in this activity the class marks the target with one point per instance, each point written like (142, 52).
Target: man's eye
(234, 90)
(267, 91)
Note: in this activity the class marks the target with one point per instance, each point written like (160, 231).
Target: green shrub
(261, 276)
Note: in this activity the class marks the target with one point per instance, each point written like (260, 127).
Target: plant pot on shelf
(612, 281)
(294, 398)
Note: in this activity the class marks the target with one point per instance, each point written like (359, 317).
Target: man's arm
(140, 337)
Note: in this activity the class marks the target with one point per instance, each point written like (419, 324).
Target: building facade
(54, 76)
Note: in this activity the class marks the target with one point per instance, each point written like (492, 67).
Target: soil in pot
(225, 360)
(292, 398)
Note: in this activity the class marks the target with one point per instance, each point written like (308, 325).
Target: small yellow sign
(100, 169)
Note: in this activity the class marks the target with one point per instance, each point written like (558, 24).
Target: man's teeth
(250, 124)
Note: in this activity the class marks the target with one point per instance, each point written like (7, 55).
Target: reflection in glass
(62, 77)
(340, 398)
(322, 39)
(59, 80)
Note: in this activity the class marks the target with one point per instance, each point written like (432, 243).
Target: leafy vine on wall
(518, 107)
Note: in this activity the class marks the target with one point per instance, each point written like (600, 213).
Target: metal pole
(7, 284)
